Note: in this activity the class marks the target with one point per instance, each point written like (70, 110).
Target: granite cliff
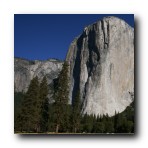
(101, 63)
(101, 66)
(25, 70)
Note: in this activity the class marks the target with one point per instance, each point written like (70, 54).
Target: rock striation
(26, 70)
(101, 64)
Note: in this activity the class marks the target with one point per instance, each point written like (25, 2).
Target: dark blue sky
(43, 36)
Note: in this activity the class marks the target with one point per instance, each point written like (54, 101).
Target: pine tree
(43, 105)
(61, 101)
(115, 121)
(29, 114)
(76, 113)
(18, 98)
(88, 123)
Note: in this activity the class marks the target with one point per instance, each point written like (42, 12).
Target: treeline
(34, 114)
(120, 123)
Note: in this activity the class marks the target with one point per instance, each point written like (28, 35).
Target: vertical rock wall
(101, 63)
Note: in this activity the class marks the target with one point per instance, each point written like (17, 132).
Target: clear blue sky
(43, 36)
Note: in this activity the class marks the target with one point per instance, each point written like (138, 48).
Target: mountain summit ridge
(25, 70)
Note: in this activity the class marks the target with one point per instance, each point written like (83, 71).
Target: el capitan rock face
(101, 63)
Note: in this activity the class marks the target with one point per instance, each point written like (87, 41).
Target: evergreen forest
(34, 114)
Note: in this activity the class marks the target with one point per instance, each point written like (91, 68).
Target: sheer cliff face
(101, 63)
(25, 70)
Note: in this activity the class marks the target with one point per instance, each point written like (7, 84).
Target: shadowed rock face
(25, 71)
(101, 63)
